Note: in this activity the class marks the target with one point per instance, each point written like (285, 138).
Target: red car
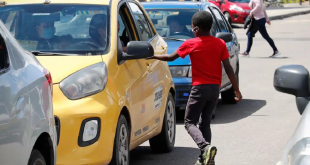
(235, 11)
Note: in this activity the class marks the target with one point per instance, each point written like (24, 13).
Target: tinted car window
(59, 28)
(143, 25)
(221, 22)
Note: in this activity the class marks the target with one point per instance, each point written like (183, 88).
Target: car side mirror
(138, 50)
(227, 37)
(294, 80)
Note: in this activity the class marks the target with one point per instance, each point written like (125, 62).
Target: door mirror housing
(138, 50)
(292, 79)
(227, 37)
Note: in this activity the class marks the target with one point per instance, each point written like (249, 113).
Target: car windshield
(240, 1)
(173, 23)
(69, 29)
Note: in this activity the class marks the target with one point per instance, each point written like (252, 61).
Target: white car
(27, 126)
(294, 80)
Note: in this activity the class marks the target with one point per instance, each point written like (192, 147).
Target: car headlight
(235, 7)
(85, 82)
(179, 71)
(300, 153)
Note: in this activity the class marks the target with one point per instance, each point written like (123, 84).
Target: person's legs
(250, 42)
(249, 45)
(210, 94)
(261, 23)
(195, 104)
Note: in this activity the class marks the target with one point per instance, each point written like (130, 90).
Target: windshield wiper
(175, 39)
(39, 53)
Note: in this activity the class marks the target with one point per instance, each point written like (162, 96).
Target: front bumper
(71, 114)
(238, 17)
(183, 88)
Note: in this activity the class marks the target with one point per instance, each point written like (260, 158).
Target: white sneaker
(275, 54)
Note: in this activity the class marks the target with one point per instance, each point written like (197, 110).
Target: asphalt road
(255, 131)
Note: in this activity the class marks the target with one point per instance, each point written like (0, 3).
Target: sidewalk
(288, 10)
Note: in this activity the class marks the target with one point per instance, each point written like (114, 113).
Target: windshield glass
(70, 29)
(240, 1)
(173, 23)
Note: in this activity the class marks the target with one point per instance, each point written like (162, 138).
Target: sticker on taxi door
(158, 99)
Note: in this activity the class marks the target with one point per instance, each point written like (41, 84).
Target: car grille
(57, 125)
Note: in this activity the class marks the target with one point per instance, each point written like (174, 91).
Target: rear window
(70, 29)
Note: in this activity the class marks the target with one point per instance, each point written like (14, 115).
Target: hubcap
(170, 120)
(123, 146)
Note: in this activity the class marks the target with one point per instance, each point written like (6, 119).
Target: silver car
(27, 125)
(294, 80)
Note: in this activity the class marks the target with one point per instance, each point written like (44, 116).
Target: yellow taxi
(108, 98)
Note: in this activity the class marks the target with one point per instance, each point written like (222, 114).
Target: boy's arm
(232, 77)
(167, 57)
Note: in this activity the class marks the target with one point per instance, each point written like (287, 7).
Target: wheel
(121, 155)
(228, 97)
(36, 158)
(228, 18)
(164, 142)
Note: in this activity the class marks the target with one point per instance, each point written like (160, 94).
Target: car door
(15, 114)
(224, 27)
(152, 77)
(134, 72)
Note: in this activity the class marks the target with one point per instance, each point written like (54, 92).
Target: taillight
(49, 79)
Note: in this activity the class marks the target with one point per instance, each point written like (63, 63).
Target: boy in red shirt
(206, 53)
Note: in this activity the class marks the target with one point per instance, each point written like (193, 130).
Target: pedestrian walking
(259, 18)
(206, 54)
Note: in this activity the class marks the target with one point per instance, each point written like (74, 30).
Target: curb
(288, 15)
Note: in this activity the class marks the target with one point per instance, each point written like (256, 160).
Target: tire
(228, 97)
(228, 18)
(121, 154)
(36, 158)
(164, 142)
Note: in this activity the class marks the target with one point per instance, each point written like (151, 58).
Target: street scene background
(255, 131)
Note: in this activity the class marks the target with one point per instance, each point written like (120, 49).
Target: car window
(173, 23)
(4, 57)
(214, 28)
(143, 24)
(220, 20)
(63, 28)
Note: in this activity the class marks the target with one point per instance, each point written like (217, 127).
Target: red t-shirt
(206, 54)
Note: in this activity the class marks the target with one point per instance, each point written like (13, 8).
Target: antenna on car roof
(2, 3)
(46, 2)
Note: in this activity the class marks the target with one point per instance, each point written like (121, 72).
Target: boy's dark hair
(203, 20)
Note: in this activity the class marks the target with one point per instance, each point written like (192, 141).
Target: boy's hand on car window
(238, 96)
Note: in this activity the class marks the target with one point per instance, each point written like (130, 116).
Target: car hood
(61, 67)
(301, 132)
(244, 6)
(173, 46)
